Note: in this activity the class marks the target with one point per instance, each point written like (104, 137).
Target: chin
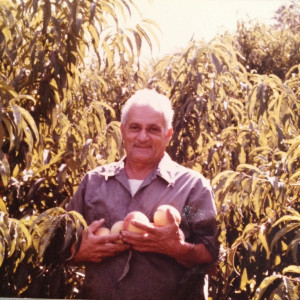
(142, 155)
(141, 159)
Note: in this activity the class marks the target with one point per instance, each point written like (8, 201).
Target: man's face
(145, 136)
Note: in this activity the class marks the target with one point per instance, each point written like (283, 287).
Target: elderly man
(151, 265)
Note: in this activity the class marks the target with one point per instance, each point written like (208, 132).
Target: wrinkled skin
(164, 240)
(96, 248)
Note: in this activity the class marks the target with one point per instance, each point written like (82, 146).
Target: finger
(110, 238)
(95, 225)
(121, 247)
(133, 235)
(134, 238)
(145, 227)
(141, 249)
(170, 217)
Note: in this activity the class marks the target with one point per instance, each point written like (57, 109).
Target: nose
(143, 135)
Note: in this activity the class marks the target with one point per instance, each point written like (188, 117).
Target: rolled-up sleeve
(200, 213)
(77, 201)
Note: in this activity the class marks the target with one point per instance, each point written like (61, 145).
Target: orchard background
(237, 104)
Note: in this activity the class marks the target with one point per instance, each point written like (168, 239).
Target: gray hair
(158, 102)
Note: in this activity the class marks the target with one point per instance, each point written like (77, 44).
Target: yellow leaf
(229, 182)
(221, 175)
(284, 246)
(27, 117)
(242, 156)
(295, 177)
(245, 167)
(277, 260)
(2, 251)
(291, 269)
(8, 88)
(2, 207)
(6, 33)
(264, 242)
(256, 199)
(252, 102)
(244, 279)
(16, 171)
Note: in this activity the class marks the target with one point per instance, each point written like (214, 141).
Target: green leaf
(4, 169)
(78, 219)
(282, 232)
(230, 182)
(54, 160)
(263, 240)
(287, 219)
(259, 294)
(256, 199)
(143, 33)
(138, 41)
(286, 290)
(8, 88)
(248, 167)
(68, 234)
(294, 248)
(295, 177)
(216, 62)
(149, 29)
(48, 235)
(100, 113)
(221, 176)
(250, 229)
(94, 34)
(21, 112)
(252, 102)
(13, 238)
(10, 128)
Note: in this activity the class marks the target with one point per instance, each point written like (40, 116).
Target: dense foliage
(67, 67)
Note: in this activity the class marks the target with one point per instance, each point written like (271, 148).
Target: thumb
(95, 225)
(171, 217)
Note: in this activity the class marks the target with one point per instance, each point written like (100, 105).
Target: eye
(134, 127)
(154, 129)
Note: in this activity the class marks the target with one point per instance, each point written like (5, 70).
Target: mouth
(142, 147)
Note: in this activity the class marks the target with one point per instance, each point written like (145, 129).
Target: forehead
(145, 114)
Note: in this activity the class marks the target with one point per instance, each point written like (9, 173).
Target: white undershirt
(134, 185)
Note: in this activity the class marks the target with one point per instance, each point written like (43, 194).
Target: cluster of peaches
(160, 219)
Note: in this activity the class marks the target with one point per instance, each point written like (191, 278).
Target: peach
(160, 217)
(117, 229)
(101, 231)
(136, 216)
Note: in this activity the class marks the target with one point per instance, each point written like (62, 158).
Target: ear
(169, 133)
(122, 129)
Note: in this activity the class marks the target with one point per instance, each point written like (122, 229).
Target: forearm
(190, 255)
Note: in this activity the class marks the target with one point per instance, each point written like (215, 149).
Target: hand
(96, 248)
(165, 240)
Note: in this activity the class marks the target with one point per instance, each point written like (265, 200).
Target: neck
(138, 171)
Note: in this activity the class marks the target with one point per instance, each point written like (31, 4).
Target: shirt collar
(165, 169)
(112, 169)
